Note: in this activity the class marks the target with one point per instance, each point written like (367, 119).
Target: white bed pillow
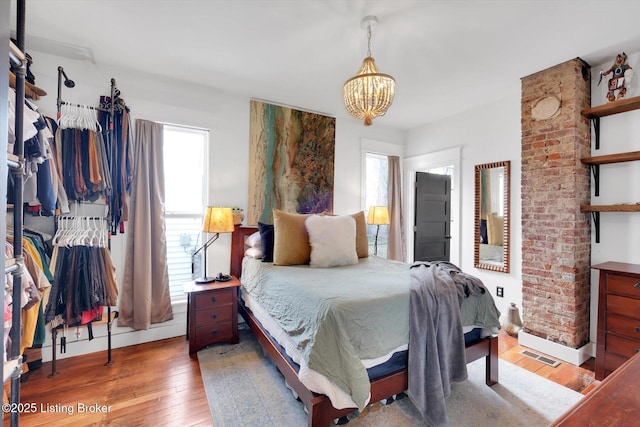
(332, 240)
(253, 240)
(253, 253)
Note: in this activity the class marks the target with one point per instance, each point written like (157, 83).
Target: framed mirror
(491, 240)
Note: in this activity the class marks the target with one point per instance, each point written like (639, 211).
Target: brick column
(556, 240)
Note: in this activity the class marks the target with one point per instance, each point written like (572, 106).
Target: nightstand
(212, 313)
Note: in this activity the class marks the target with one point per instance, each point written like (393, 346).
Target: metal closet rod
(70, 84)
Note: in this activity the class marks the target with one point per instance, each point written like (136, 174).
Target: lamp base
(205, 279)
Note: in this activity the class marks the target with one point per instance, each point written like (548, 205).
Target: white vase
(511, 322)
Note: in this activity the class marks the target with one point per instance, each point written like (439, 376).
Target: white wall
(226, 115)
(485, 135)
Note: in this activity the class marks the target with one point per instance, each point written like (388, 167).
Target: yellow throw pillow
(495, 229)
(291, 241)
(362, 244)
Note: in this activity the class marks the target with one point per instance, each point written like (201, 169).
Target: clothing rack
(110, 109)
(13, 367)
(114, 103)
(77, 220)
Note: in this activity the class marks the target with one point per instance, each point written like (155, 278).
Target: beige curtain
(396, 248)
(145, 289)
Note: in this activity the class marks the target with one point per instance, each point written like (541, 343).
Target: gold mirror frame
(490, 262)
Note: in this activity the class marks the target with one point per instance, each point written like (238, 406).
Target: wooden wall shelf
(594, 114)
(612, 158)
(610, 108)
(611, 208)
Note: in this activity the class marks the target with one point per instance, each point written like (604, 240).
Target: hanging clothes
(81, 155)
(39, 184)
(117, 138)
(84, 275)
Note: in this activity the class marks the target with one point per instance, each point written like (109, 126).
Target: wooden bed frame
(319, 408)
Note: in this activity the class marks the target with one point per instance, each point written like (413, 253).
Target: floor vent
(540, 358)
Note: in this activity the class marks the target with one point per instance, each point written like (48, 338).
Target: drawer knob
(638, 329)
(214, 332)
(637, 286)
(214, 315)
(213, 299)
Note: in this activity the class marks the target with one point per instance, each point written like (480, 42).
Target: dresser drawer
(623, 326)
(623, 306)
(216, 314)
(623, 285)
(622, 346)
(213, 298)
(209, 334)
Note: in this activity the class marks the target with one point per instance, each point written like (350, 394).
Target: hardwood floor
(579, 378)
(158, 384)
(152, 384)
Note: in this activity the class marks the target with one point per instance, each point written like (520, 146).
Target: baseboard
(575, 356)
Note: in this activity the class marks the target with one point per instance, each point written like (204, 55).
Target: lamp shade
(218, 220)
(378, 215)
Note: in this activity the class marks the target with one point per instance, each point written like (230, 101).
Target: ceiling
(447, 56)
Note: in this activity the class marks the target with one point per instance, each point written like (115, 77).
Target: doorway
(432, 227)
(443, 162)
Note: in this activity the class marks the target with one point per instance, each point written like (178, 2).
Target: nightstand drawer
(213, 315)
(623, 326)
(209, 334)
(213, 298)
(623, 285)
(622, 346)
(623, 306)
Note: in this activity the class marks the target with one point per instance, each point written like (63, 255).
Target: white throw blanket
(436, 340)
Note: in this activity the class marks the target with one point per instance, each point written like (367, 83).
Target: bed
(320, 409)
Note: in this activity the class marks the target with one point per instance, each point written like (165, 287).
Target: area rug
(245, 388)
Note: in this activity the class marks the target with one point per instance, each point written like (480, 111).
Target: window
(376, 194)
(185, 185)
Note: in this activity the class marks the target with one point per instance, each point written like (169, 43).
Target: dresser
(618, 316)
(212, 313)
(614, 402)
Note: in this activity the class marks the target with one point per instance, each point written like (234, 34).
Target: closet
(84, 240)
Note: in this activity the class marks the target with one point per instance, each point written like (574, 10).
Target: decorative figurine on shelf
(621, 79)
(238, 215)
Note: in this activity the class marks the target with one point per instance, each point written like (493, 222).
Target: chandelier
(368, 94)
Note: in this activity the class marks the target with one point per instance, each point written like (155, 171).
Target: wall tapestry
(291, 159)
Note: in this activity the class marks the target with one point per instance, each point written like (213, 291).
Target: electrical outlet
(500, 291)
(78, 333)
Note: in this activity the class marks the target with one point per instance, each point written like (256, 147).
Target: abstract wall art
(291, 161)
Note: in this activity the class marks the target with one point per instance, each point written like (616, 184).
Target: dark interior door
(432, 217)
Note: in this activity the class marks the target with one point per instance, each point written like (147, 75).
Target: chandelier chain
(369, 40)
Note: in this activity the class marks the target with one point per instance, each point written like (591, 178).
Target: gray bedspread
(337, 316)
(436, 346)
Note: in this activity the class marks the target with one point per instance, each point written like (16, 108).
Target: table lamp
(378, 215)
(216, 220)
